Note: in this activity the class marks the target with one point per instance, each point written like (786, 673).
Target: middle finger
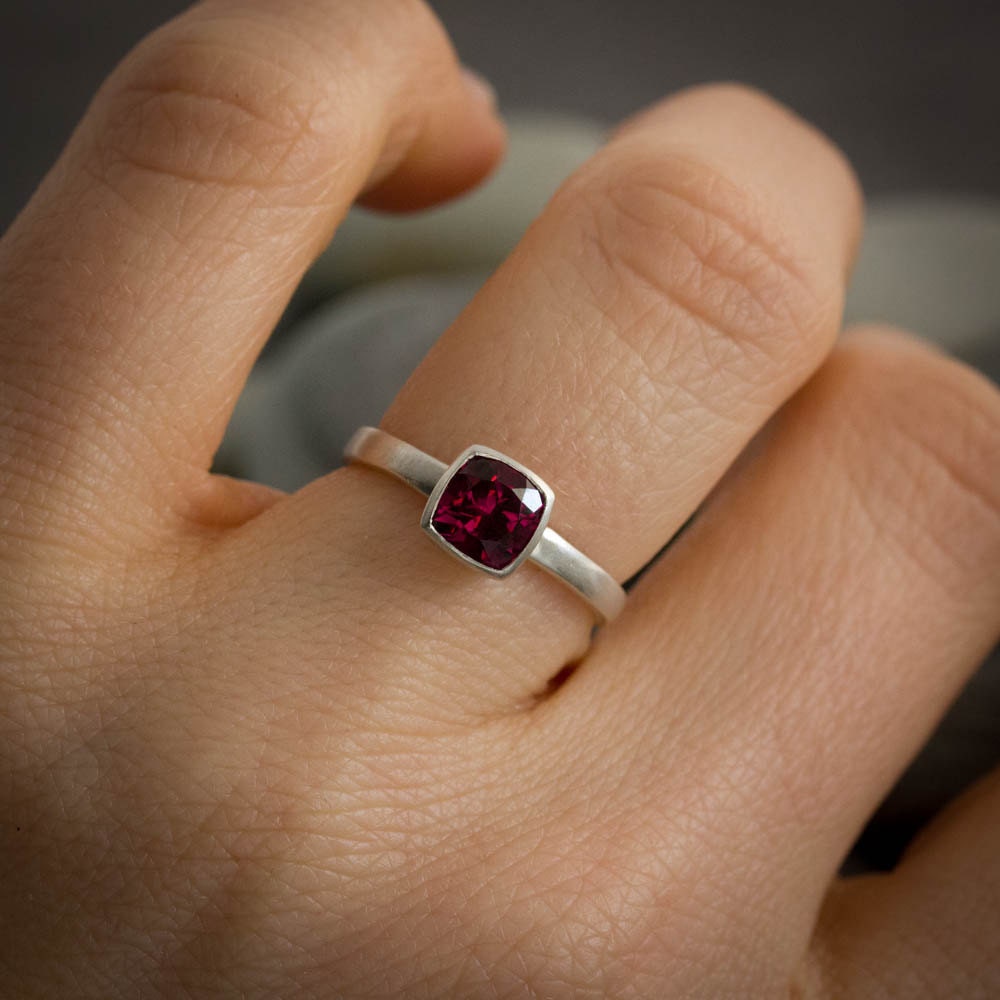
(674, 293)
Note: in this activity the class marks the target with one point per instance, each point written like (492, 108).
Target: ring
(490, 512)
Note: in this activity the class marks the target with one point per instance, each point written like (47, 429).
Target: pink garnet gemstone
(489, 511)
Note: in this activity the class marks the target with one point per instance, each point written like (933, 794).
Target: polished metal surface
(549, 550)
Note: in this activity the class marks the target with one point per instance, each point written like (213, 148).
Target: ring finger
(674, 293)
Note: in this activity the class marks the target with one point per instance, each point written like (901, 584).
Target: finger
(930, 929)
(142, 279)
(781, 665)
(676, 290)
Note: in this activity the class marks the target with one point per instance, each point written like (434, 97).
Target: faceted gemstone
(489, 511)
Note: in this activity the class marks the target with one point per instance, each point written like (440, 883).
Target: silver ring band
(548, 549)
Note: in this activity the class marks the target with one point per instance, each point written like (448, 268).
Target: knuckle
(743, 97)
(930, 427)
(672, 233)
(217, 107)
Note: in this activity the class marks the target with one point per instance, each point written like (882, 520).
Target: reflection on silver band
(373, 447)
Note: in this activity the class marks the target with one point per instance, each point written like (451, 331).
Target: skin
(266, 746)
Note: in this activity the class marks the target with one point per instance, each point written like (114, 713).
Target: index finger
(142, 279)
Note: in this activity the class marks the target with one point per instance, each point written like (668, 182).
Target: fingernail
(479, 87)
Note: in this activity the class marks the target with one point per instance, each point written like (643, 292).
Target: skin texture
(262, 746)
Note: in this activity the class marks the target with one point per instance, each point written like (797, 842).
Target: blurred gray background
(911, 91)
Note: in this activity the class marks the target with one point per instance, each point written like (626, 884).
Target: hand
(266, 746)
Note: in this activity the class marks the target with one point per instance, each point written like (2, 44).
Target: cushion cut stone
(489, 511)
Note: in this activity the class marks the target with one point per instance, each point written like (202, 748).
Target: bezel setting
(434, 499)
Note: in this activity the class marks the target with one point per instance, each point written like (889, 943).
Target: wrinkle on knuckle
(931, 427)
(700, 259)
(210, 112)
